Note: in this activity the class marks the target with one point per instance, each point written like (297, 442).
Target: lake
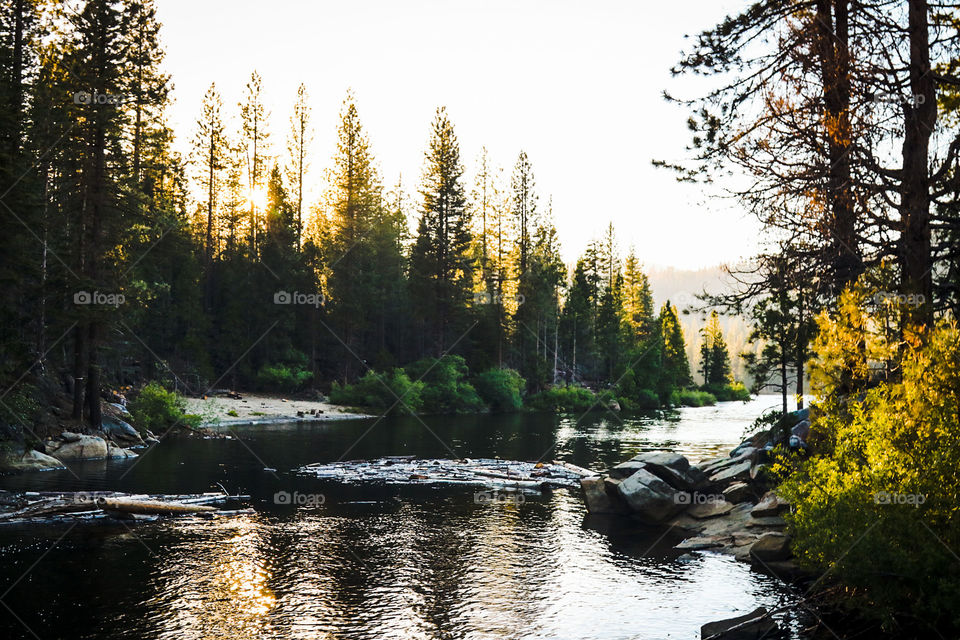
(375, 562)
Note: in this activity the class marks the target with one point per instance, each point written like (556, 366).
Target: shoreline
(219, 412)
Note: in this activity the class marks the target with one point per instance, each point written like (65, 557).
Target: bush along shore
(726, 505)
(445, 386)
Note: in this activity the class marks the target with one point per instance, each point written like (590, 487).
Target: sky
(577, 85)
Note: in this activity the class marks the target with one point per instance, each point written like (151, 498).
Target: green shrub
(157, 410)
(694, 398)
(281, 377)
(446, 389)
(500, 389)
(646, 399)
(393, 392)
(728, 392)
(564, 397)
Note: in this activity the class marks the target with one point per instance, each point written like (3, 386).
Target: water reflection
(383, 562)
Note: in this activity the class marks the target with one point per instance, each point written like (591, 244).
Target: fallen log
(50, 507)
(149, 507)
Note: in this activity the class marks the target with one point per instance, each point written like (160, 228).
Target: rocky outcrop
(652, 486)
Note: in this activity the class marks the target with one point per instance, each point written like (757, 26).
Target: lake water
(376, 562)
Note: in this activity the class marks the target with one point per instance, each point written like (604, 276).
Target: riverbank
(253, 409)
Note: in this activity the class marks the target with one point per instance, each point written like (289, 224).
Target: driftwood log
(40, 505)
(149, 507)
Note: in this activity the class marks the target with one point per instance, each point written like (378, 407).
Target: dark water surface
(377, 562)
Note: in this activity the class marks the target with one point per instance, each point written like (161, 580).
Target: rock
(700, 543)
(625, 469)
(710, 509)
(727, 463)
(650, 497)
(115, 410)
(613, 405)
(739, 472)
(672, 468)
(801, 430)
(121, 431)
(596, 497)
(113, 451)
(771, 547)
(772, 522)
(770, 505)
(86, 448)
(663, 459)
(69, 436)
(31, 460)
(753, 626)
(738, 492)
(760, 472)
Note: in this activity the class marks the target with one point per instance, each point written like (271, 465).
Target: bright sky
(576, 84)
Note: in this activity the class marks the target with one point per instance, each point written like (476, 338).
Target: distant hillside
(681, 287)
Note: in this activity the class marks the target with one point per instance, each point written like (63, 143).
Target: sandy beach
(255, 409)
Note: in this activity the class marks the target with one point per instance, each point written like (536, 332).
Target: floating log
(150, 507)
(86, 504)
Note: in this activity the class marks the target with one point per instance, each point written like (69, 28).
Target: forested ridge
(126, 262)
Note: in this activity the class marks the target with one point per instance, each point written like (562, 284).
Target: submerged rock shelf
(481, 472)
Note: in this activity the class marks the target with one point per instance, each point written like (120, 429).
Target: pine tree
(442, 270)
(714, 355)
(297, 146)
(210, 150)
(675, 368)
(254, 145)
(353, 208)
(637, 299)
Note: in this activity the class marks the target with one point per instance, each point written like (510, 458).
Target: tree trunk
(920, 117)
(832, 19)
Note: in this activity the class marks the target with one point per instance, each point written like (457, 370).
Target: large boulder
(31, 460)
(753, 626)
(121, 431)
(650, 497)
(84, 448)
